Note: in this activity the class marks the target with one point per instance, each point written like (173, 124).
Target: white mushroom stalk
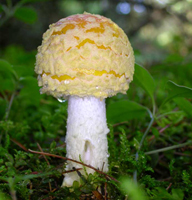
(86, 138)
(85, 58)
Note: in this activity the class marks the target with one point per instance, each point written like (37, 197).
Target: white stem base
(86, 138)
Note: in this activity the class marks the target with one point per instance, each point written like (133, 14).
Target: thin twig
(43, 155)
(69, 159)
(164, 128)
(160, 131)
(121, 123)
(19, 144)
(182, 154)
(165, 179)
(50, 188)
(169, 186)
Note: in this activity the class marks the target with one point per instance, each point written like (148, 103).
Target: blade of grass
(168, 148)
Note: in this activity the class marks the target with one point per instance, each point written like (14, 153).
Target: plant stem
(145, 134)
(154, 106)
(9, 106)
(168, 148)
(141, 143)
(168, 113)
(9, 10)
(12, 191)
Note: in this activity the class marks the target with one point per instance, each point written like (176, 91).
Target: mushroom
(85, 58)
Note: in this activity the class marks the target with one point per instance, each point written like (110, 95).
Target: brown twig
(120, 123)
(169, 186)
(164, 128)
(50, 188)
(19, 144)
(160, 131)
(43, 155)
(69, 159)
(182, 154)
(165, 179)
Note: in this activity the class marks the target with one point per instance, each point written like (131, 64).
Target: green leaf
(129, 188)
(30, 91)
(143, 78)
(23, 60)
(125, 110)
(4, 196)
(25, 14)
(75, 184)
(7, 84)
(184, 104)
(177, 194)
(6, 67)
(161, 193)
(177, 91)
(7, 76)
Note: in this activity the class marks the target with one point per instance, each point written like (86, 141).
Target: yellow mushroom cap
(84, 55)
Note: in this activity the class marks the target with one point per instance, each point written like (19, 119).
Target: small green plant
(19, 11)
